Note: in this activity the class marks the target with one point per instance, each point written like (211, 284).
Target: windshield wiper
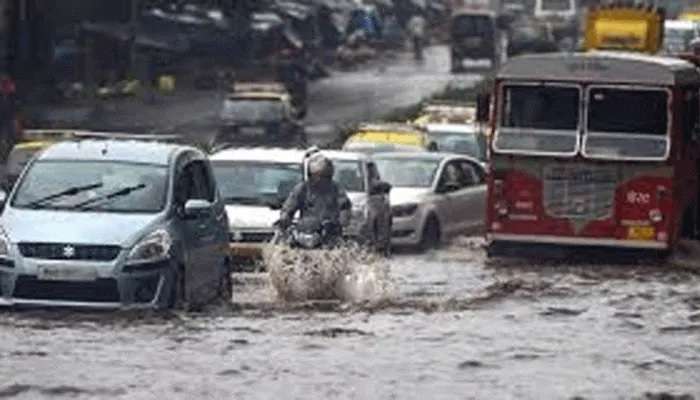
(109, 196)
(71, 191)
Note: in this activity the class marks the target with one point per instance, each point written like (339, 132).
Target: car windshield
(539, 119)
(627, 123)
(247, 110)
(256, 183)
(472, 25)
(471, 144)
(410, 173)
(93, 185)
(556, 5)
(349, 175)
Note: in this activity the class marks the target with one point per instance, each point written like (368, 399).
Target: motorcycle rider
(318, 197)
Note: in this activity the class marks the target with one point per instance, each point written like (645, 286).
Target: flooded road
(457, 326)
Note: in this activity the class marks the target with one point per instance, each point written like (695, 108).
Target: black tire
(225, 289)
(430, 237)
(176, 300)
(689, 228)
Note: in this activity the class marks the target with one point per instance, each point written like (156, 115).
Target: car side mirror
(3, 197)
(195, 209)
(380, 188)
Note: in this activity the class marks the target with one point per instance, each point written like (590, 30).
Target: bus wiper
(71, 191)
(85, 205)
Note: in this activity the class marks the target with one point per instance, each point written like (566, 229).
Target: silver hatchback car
(113, 224)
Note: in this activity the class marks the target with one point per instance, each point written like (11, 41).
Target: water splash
(348, 273)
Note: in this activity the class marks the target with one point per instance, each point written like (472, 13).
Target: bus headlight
(656, 216)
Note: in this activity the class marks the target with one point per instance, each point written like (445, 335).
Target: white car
(370, 221)
(254, 182)
(434, 196)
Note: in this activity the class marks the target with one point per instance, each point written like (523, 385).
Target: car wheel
(176, 298)
(225, 291)
(430, 237)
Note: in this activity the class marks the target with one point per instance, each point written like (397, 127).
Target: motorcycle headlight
(153, 247)
(308, 240)
(4, 244)
(404, 210)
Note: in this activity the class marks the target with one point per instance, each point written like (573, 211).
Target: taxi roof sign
(623, 27)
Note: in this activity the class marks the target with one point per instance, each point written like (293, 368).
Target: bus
(596, 148)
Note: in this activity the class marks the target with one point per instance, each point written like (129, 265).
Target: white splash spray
(348, 273)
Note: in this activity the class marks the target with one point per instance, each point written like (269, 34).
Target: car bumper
(114, 287)
(406, 231)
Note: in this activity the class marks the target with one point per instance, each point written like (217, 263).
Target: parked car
(464, 139)
(390, 137)
(434, 196)
(114, 223)
(257, 114)
(370, 222)
(254, 182)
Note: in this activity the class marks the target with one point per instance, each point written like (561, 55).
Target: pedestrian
(416, 29)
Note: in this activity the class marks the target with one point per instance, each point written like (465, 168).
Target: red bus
(594, 149)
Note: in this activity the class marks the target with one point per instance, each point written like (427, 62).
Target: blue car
(114, 224)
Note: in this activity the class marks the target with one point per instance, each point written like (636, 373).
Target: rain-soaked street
(455, 326)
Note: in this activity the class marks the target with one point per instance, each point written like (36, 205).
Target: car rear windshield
(472, 25)
(256, 183)
(409, 173)
(251, 110)
(539, 119)
(93, 185)
(470, 144)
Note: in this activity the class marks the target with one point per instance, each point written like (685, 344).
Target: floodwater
(455, 326)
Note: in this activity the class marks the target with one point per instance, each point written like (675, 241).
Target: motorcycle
(309, 233)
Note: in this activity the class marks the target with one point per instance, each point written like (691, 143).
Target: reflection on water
(454, 326)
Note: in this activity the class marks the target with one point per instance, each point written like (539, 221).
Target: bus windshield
(626, 123)
(539, 119)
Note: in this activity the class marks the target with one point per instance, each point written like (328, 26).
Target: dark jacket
(324, 200)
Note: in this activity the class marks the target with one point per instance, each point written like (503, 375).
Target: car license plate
(66, 273)
(641, 233)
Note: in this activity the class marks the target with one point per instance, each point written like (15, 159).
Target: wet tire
(690, 223)
(430, 238)
(176, 297)
(225, 290)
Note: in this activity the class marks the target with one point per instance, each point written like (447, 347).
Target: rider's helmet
(321, 167)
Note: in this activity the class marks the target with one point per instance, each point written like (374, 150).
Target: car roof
(345, 155)
(680, 24)
(456, 128)
(280, 155)
(427, 155)
(113, 150)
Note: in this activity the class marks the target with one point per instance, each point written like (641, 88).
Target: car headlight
(4, 244)
(153, 247)
(404, 210)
